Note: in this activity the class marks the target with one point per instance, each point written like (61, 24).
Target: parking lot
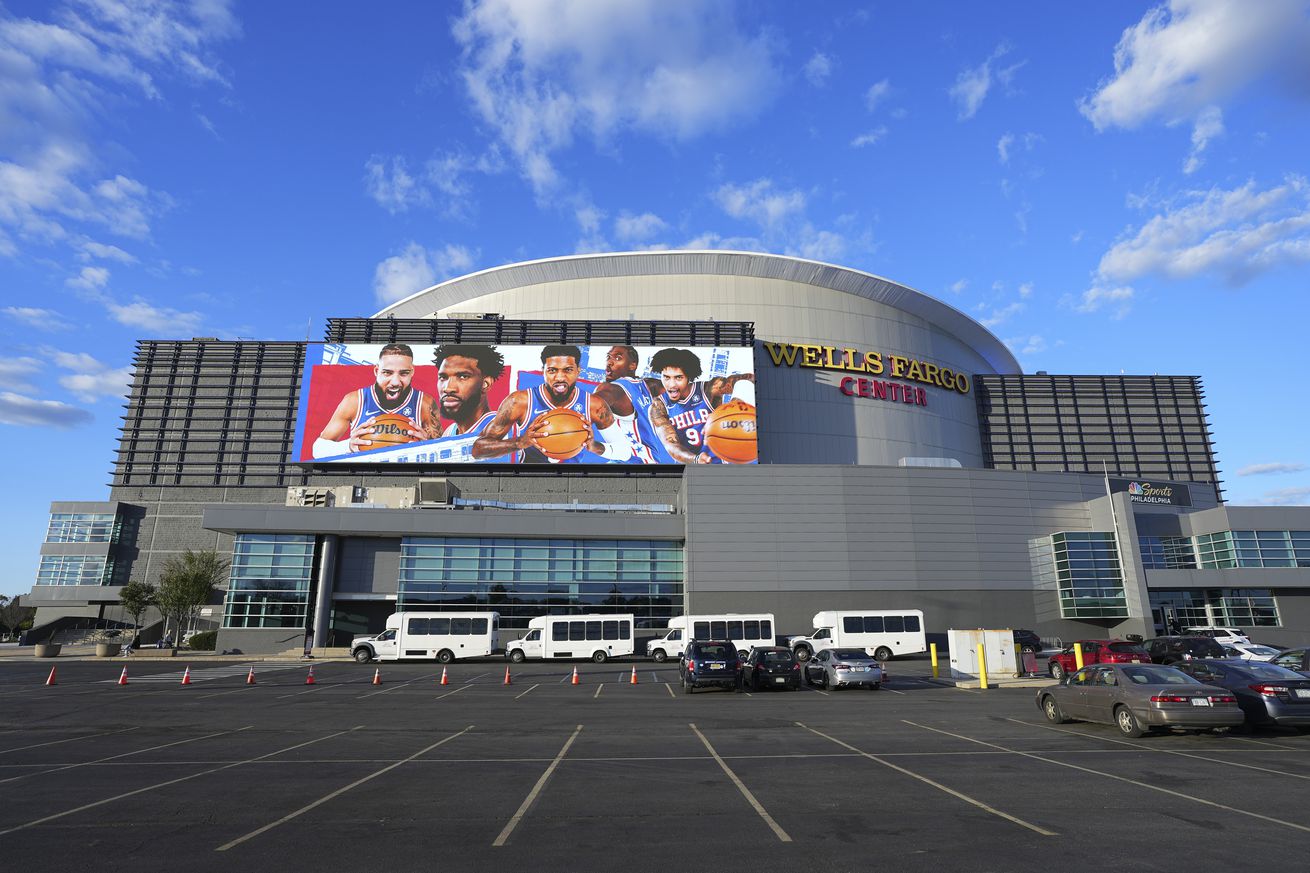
(412, 774)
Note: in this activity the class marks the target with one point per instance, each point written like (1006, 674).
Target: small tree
(187, 584)
(136, 597)
(15, 617)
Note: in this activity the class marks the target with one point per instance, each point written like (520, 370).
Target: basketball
(730, 432)
(564, 434)
(389, 429)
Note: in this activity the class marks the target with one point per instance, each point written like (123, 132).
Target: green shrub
(203, 641)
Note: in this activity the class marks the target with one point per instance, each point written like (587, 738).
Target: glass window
(73, 570)
(611, 630)
(479, 626)
(912, 624)
(559, 631)
(851, 624)
(752, 631)
(81, 527)
(269, 581)
(594, 630)
(873, 624)
(894, 624)
(625, 630)
(718, 630)
(735, 631)
(577, 631)
(766, 630)
(702, 630)
(418, 627)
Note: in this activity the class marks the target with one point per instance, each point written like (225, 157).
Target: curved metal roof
(714, 263)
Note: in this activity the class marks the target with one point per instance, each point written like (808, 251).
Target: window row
(81, 527)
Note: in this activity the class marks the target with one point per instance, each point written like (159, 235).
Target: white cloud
(158, 320)
(1237, 234)
(876, 94)
(15, 369)
(638, 228)
(1190, 54)
(1275, 467)
(1026, 290)
(1002, 314)
(416, 268)
(1285, 497)
(972, 86)
(1209, 124)
(89, 249)
(1095, 298)
(390, 184)
(1027, 345)
(869, 137)
(760, 202)
(20, 411)
(540, 72)
(91, 379)
(1003, 147)
(817, 69)
(589, 217)
(89, 279)
(41, 319)
(959, 285)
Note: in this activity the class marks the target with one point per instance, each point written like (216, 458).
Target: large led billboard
(467, 403)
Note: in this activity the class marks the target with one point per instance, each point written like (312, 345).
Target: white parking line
(392, 688)
(517, 696)
(125, 754)
(598, 688)
(536, 789)
(159, 785)
(815, 690)
(1118, 778)
(1071, 733)
(477, 677)
(322, 800)
(951, 791)
(741, 786)
(669, 688)
(69, 740)
(448, 693)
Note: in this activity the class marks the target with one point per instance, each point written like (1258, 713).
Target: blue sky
(1109, 187)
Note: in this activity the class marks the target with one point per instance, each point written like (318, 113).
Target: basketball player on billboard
(392, 392)
(640, 411)
(689, 402)
(464, 376)
(518, 423)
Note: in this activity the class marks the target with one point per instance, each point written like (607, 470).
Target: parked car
(1171, 650)
(1063, 662)
(1138, 698)
(1221, 635)
(1249, 651)
(771, 667)
(1027, 641)
(1297, 659)
(844, 668)
(1267, 693)
(709, 662)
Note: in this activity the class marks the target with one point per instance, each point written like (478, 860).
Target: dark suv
(1027, 641)
(771, 667)
(710, 662)
(1171, 650)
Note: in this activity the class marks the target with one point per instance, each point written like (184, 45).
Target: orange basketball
(390, 429)
(564, 434)
(730, 432)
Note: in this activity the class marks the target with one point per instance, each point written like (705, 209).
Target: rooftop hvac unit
(436, 492)
(316, 497)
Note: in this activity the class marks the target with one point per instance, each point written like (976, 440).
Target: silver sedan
(1138, 698)
(844, 668)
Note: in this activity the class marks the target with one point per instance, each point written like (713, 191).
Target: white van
(1224, 636)
(598, 637)
(883, 633)
(746, 630)
(445, 636)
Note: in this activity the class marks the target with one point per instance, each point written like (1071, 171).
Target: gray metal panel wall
(368, 565)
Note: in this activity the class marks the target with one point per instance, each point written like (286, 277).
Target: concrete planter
(47, 650)
(108, 650)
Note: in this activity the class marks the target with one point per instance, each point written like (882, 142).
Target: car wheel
(445, 656)
(1051, 709)
(1056, 670)
(823, 682)
(600, 656)
(1127, 723)
(363, 656)
(875, 686)
(1032, 650)
(516, 656)
(882, 653)
(803, 653)
(687, 687)
(660, 656)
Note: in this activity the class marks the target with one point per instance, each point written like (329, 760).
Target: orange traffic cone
(250, 677)
(576, 680)
(444, 680)
(186, 675)
(377, 676)
(633, 680)
(122, 679)
(309, 680)
(50, 680)
(507, 682)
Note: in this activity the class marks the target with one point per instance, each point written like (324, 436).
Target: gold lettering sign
(850, 360)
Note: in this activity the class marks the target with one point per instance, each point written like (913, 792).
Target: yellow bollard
(1078, 655)
(982, 668)
(933, 648)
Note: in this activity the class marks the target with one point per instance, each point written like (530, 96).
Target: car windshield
(783, 657)
(1269, 671)
(850, 654)
(1130, 648)
(714, 651)
(1262, 651)
(1143, 675)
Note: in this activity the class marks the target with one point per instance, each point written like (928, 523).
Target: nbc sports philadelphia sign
(1153, 493)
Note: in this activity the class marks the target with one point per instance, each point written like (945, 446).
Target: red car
(1097, 652)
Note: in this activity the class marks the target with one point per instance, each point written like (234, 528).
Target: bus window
(461, 626)
(439, 626)
(766, 630)
(479, 626)
(611, 630)
(912, 623)
(894, 624)
(625, 630)
(735, 631)
(718, 630)
(873, 624)
(418, 627)
(593, 630)
(577, 631)
(852, 624)
(701, 630)
(559, 631)
(752, 630)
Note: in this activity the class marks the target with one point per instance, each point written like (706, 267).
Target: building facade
(904, 460)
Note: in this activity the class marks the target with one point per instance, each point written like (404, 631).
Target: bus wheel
(599, 656)
(882, 653)
(363, 655)
(445, 656)
(660, 656)
(516, 656)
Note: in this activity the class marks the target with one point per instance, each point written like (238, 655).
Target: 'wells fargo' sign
(873, 363)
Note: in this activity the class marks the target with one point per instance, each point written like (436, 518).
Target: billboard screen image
(468, 403)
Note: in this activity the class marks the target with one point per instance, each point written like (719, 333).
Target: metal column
(327, 571)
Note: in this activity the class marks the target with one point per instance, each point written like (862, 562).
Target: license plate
(860, 669)
(780, 679)
(1137, 660)
(1301, 692)
(716, 666)
(1200, 701)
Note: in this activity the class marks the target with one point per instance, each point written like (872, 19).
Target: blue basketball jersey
(647, 447)
(478, 427)
(455, 447)
(689, 417)
(369, 407)
(579, 402)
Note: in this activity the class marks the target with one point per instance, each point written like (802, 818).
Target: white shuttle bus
(883, 633)
(444, 636)
(598, 637)
(746, 630)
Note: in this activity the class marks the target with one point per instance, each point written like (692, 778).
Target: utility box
(998, 647)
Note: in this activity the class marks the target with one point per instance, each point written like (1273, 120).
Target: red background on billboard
(328, 383)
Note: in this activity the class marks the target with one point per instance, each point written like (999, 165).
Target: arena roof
(427, 302)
